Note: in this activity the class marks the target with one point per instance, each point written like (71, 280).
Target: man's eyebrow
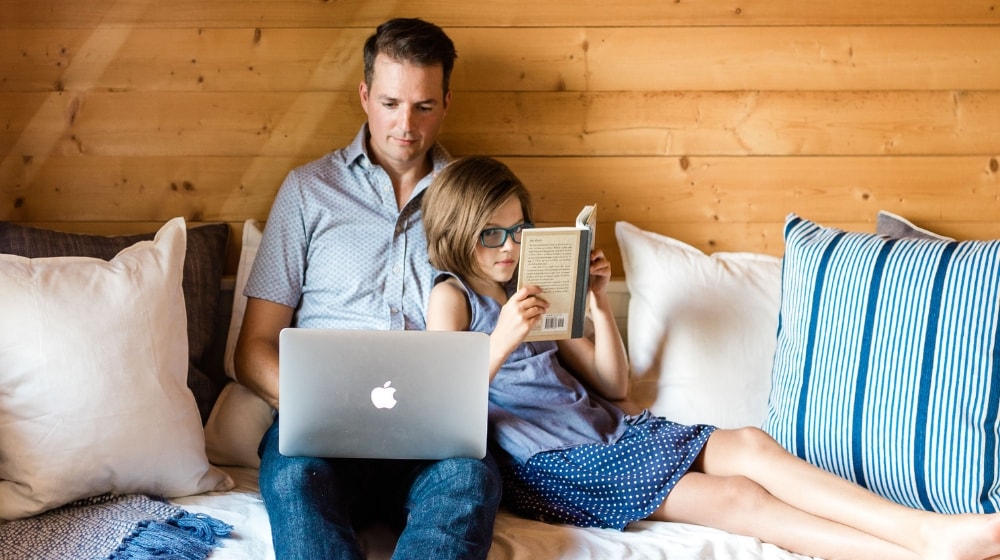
(384, 97)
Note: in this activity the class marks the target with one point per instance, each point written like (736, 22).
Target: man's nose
(407, 119)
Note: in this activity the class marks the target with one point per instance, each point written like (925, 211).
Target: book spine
(582, 284)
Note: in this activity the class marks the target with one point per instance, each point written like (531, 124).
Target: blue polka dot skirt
(606, 485)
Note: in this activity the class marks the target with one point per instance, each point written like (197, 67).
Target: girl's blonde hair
(458, 205)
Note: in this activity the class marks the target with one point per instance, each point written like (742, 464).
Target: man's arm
(257, 347)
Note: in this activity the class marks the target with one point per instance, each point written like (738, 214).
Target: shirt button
(393, 310)
(395, 269)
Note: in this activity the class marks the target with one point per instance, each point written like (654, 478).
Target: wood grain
(308, 124)
(491, 13)
(706, 121)
(603, 59)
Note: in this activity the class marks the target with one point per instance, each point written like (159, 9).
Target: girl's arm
(603, 363)
(448, 310)
(448, 307)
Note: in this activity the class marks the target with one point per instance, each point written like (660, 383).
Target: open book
(557, 259)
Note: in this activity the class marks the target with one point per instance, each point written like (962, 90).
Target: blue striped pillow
(886, 365)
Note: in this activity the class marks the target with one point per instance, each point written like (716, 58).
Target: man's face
(405, 106)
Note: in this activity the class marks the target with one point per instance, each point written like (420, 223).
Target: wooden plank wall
(706, 120)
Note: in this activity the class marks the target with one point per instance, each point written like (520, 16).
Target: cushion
(897, 227)
(251, 241)
(701, 329)
(93, 361)
(240, 417)
(236, 426)
(886, 367)
(203, 266)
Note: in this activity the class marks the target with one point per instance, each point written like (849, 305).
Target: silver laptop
(383, 394)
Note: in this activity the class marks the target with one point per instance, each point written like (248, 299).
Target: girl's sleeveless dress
(573, 457)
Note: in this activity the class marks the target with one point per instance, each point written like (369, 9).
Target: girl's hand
(519, 315)
(600, 272)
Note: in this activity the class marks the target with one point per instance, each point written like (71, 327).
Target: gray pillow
(203, 265)
(896, 227)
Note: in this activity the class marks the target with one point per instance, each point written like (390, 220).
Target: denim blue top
(535, 403)
(338, 249)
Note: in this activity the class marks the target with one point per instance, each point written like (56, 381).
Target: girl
(572, 456)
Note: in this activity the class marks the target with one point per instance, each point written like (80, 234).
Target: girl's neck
(488, 288)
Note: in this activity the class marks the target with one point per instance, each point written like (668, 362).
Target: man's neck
(405, 178)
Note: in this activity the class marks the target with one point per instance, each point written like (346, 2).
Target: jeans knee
(286, 476)
(489, 478)
(475, 475)
(451, 509)
(463, 478)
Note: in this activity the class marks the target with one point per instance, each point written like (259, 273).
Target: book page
(587, 218)
(549, 260)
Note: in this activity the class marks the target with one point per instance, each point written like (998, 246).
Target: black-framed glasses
(494, 237)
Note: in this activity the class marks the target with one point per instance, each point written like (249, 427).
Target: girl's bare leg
(751, 453)
(739, 505)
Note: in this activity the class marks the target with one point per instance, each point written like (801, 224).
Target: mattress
(514, 538)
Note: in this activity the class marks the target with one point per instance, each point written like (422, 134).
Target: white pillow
(93, 362)
(240, 417)
(702, 329)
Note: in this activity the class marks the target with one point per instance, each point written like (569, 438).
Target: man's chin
(406, 154)
(397, 157)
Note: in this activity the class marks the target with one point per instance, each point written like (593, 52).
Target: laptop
(383, 394)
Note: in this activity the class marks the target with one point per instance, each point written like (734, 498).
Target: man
(344, 248)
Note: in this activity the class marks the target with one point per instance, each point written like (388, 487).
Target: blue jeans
(445, 508)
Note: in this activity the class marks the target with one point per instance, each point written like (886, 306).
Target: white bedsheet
(514, 538)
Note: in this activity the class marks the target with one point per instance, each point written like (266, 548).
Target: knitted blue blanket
(116, 527)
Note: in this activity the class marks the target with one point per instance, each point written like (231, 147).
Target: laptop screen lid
(382, 394)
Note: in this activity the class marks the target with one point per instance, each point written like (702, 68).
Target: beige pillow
(239, 418)
(93, 362)
(236, 426)
(248, 252)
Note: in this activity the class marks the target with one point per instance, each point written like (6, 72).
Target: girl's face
(498, 263)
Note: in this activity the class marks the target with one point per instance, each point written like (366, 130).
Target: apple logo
(383, 397)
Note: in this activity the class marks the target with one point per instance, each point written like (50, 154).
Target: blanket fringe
(186, 536)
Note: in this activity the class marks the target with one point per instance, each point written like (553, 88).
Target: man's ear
(447, 100)
(363, 95)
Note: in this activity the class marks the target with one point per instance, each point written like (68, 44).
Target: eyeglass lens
(496, 237)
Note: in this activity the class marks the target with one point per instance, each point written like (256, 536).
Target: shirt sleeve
(279, 269)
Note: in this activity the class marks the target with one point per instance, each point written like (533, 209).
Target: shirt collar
(357, 150)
